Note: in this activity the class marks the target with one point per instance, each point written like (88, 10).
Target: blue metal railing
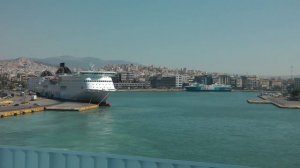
(26, 157)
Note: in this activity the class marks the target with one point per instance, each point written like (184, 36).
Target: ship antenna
(92, 67)
(292, 76)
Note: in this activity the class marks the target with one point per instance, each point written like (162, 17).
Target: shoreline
(280, 102)
(171, 90)
(150, 90)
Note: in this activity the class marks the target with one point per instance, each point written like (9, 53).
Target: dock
(42, 104)
(280, 102)
(258, 101)
(20, 111)
(72, 106)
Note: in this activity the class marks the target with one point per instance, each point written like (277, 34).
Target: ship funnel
(63, 69)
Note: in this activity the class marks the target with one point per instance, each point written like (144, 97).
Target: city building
(204, 79)
(239, 83)
(243, 82)
(297, 83)
(127, 77)
(176, 81)
(124, 77)
(180, 80)
(233, 81)
(251, 82)
(135, 85)
(276, 84)
(248, 82)
(163, 82)
(223, 79)
(264, 84)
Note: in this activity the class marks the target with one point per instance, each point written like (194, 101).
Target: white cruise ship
(84, 86)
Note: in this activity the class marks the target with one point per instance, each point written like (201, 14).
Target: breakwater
(280, 102)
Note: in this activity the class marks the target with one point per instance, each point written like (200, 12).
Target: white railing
(26, 157)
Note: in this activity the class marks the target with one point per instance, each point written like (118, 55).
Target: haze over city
(232, 36)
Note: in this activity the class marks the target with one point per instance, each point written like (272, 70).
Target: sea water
(197, 126)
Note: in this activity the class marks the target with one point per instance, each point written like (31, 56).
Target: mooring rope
(103, 98)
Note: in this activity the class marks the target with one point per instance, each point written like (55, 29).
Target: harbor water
(196, 126)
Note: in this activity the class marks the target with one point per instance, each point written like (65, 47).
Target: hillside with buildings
(134, 76)
(15, 72)
(23, 66)
(140, 76)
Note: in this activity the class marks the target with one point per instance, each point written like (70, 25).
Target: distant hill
(78, 62)
(23, 65)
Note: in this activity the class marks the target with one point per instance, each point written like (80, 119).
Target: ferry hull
(96, 97)
(208, 88)
(202, 90)
(81, 87)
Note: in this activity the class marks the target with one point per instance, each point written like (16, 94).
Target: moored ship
(84, 86)
(197, 87)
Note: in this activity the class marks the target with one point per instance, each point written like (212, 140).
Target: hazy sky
(234, 36)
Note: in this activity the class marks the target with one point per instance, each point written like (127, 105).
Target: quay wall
(21, 111)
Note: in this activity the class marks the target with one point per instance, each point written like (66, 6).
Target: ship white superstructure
(84, 86)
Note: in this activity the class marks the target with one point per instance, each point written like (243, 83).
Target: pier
(258, 101)
(72, 106)
(20, 107)
(20, 111)
(280, 102)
